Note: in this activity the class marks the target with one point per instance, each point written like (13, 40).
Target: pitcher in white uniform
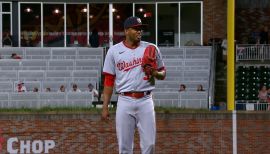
(135, 107)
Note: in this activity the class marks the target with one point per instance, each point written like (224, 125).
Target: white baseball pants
(132, 113)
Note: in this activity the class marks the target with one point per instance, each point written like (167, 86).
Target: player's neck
(131, 44)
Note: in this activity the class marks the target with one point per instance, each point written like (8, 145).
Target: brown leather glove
(149, 62)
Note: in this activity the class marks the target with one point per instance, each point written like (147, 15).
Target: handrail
(252, 52)
(43, 99)
(212, 78)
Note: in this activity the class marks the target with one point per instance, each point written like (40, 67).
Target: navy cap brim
(142, 26)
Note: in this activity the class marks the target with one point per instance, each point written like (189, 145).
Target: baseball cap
(133, 21)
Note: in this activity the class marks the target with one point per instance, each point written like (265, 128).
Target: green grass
(178, 110)
(92, 110)
(51, 110)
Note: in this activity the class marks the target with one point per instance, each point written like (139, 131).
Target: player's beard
(138, 38)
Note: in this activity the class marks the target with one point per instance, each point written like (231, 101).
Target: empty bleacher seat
(24, 100)
(196, 75)
(6, 87)
(166, 99)
(85, 75)
(8, 75)
(90, 53)
(59, 64)
(193, 99)
(60, 75)
(173, 62)
(4, 97)
(64, 53)
(173, 53)
(88, 64)
(31, 75)
(53, 99)
(79, 99)
(9, 64)
(174, 68)
(33, 64)
(197, 64)
(37, 53)
(167, 86)
(198, 52)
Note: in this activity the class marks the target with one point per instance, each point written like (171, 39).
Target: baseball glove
(149, 63)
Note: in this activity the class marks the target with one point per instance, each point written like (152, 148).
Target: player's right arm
(107, 97)
(107, 94)
(109, 78)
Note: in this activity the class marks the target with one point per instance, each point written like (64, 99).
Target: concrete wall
(177, 133)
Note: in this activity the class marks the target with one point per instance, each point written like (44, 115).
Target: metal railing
(45, 99)
(252, 52)
(187, 99)
(252, 105)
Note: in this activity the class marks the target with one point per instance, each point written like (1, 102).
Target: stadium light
(56, 11)
(28, 10)
(84, 10)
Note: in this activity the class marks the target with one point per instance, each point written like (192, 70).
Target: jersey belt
(136, 95)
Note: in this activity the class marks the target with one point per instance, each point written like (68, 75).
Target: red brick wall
(253, 133)
(214, 19)
(176, 133)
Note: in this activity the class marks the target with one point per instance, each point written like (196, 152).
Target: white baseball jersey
(125, 64)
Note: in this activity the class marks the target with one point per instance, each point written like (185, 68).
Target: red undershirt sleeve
(109, 80)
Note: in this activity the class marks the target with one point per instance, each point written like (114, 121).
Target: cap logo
(139, 20)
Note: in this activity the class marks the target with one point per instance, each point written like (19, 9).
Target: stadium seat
(241, 93)
(90, 53)
(58, 75)
(31, 75)
(37, 53)
(59, 64)
(197, 53)
(8, 75)
(81, 99)
(64, 53)
(6, 87)
(33, 64)
(4, 97)
(172, 53)
(52, 99)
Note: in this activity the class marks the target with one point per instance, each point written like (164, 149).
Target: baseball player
(128, 66)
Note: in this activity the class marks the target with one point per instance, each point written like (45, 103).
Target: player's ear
(126, 31)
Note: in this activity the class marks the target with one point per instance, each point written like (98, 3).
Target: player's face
(134, 34)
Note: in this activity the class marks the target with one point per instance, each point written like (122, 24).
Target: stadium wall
(84, 133)
(214, 19)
